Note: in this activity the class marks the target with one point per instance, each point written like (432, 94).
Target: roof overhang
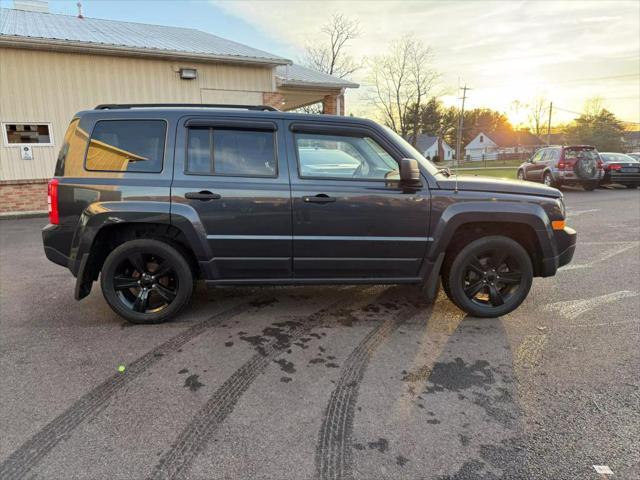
(298, 84)
(123, 51)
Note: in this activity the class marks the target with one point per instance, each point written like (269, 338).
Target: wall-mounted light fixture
(188, 73)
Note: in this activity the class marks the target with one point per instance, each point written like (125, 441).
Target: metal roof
(31, 27)
(299, 76)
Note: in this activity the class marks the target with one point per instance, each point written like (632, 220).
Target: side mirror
(409, 172)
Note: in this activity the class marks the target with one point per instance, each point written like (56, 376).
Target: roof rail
(114, 106)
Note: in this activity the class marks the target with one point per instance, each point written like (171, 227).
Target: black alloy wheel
(146, 281)
(490, 277)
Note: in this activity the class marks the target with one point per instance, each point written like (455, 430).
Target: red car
(555, 166)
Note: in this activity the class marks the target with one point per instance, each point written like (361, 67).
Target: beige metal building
(52, 66)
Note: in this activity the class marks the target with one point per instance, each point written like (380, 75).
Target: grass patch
(497, 172)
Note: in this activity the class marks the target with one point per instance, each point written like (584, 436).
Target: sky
(505, 51)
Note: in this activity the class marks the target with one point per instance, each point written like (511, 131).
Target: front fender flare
(458, 214)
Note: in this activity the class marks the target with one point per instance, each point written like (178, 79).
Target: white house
(497, 145)
(431, 146)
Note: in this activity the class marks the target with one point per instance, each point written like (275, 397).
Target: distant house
(498, 145)
(631, 141)
(430, 146)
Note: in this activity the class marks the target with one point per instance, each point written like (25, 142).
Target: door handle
(319, 198)
(204, 195)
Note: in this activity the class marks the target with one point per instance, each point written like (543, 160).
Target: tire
(547, 179)
(589, 187)
(632, 186)
(521, 175)
(483, 266)
(133, 289)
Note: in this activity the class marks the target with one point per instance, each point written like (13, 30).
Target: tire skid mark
(177, 461)
(333, 451)
(30, 453)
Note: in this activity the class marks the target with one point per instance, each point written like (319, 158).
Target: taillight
(561, 165)
(52, 201)
(615, 166)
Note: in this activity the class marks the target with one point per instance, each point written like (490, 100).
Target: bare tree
(537, 112)
(329, 55)
(402, 80)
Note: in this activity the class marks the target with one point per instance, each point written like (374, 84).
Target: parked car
(621, 169)
(556, 166)
(151, 198)
(635, 155)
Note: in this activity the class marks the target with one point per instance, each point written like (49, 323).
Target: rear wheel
(146, 281)
(590, 186)
(635, 185)
(489, 277)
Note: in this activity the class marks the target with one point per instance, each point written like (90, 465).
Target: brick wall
(273, 99)
(333, 105)
(23, 195)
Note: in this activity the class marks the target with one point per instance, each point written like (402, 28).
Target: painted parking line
(572, 309)
(616, 249)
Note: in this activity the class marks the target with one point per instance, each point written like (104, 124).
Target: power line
(580, 113)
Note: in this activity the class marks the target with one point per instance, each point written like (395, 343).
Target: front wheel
(635, 185)
(146, 281)
(547, 179)
(521, 175)
(489, 277)
(589, 187)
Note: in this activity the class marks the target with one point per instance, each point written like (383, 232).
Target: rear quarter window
(127, 146)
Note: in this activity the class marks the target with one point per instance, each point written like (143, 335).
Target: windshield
(431, 168)
(617, 157)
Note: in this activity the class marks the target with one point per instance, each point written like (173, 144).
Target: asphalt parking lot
(328, 382)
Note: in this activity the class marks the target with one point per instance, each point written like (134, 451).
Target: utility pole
(461, 125)
(549, 124)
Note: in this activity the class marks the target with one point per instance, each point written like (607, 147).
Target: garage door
(231, 97)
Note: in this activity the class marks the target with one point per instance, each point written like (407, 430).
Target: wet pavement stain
(464, 440)
(285, 379)
(458, 375)
(316, 360)
(401, 461)
(433, 421)
(228, 344)
(192, 383)
(184, 370)
(332, 365)
(263, 302)
(382, 445)
(285, 365)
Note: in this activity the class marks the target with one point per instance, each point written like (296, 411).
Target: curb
(27, 214)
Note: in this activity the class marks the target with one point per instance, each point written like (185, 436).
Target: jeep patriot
(150, 198)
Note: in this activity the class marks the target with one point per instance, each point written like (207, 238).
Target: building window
(481, 139)
(127, 146)
(27, 134)
(235, 153)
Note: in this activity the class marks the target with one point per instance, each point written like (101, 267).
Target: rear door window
(127, 146)
(237, 153)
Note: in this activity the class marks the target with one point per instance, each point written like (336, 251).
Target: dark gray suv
(151, 198)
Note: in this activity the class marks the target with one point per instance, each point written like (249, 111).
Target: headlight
(563, 210)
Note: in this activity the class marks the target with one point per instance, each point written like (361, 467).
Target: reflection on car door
(351, 219)
(234, 176)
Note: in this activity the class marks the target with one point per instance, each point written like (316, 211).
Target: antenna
(79, 5)
(459, 139)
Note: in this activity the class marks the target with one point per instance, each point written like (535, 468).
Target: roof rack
(114, 106)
